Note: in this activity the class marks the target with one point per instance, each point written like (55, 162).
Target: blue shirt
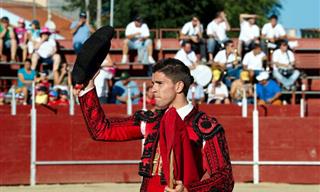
(26, 76)
(267, 91)
(121, 90)
(82, 34)
(198, 94)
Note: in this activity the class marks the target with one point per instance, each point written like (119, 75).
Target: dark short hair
(138, 19)
(185, 42)
(175, 70)
(227, 42)
(28, 60)
(5, 19)
(273, 17)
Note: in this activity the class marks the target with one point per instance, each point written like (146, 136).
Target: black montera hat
(91, 55)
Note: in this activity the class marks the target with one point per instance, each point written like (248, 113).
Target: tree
(174, 13)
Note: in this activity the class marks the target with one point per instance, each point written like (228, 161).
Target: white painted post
(255, 122)
(129, 102)
(33, 138)
(111, 12)
(71, 104)
(244, 104)
(302, 102)
(13, 101)
(144, 98)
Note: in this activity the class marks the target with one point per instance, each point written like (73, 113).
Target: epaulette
(147, 116)
(205, 127)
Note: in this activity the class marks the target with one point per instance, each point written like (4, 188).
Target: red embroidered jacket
(206, 136)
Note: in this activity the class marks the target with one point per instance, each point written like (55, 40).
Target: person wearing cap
(25, 78)
(42, 95)
(268, 91)
(81, 31)
(187, 55)
(7, 39)
(120, 90)
(46, 52)
(218, 92)
(254, 60)
(138, 38)
(63, 98)
(192, 32)
(200, 159)
(33, 35)
(239, 86)
(249, 33)
(22, 37)
(53, 98)
(283, 66)
(216, 32)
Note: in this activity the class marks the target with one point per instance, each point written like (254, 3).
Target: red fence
(63, 137)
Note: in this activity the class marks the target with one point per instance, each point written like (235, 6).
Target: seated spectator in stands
(103, 81)
(64, 79)
(216, 32)
(41, 95)
(192, 31)
(53, 98)
(25, 77)
(150, 100)
(81, 31)
(283, 66)
(196, 94)
(217, 91)
(22, 37)
(187, 55)
(254, 60)
(227, 60)
(138, 38)
(268, 91)
(249, 33)
(63, 98)
(7, 39)
(46, 52)
(43, 80)
(239, 86)
(271, 33)
(33, 36)
(120, 90)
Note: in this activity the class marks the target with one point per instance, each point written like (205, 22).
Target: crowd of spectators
(261, 57)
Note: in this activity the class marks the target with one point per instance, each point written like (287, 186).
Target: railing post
(71, 104)
(255, 122)
(144, 99)
(129, 102)
(302, 102)
(33, 138)
(13, 101)
(244, 104)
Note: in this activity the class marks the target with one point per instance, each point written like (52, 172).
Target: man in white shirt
(137, 38)
(272, 33)
(186, 55)
(283, 68)
(249, 33)
(192, 32)
(253, 61)
(46, 52)
(216, 31)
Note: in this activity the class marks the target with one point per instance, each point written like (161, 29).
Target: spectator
(53, 98)
(227, 60)
(63, 98)
(104, 79)
(192, 32)
(138, 38)
(216, 32)
(196, 94)
(249, 33)
(240, 85)
(283, 68)
(43, 80)
(187, 55)
(254, 60)
(268, 91)
(120, 90)
(7, 39)
(64, 79)
(41, 95)
(33, 35)
(46, 53)
(217, 91)
(81, 31)
(150, 100)
(25, 77)
(271, 33)
(50, 24)
(22, 37)
(2, 95)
